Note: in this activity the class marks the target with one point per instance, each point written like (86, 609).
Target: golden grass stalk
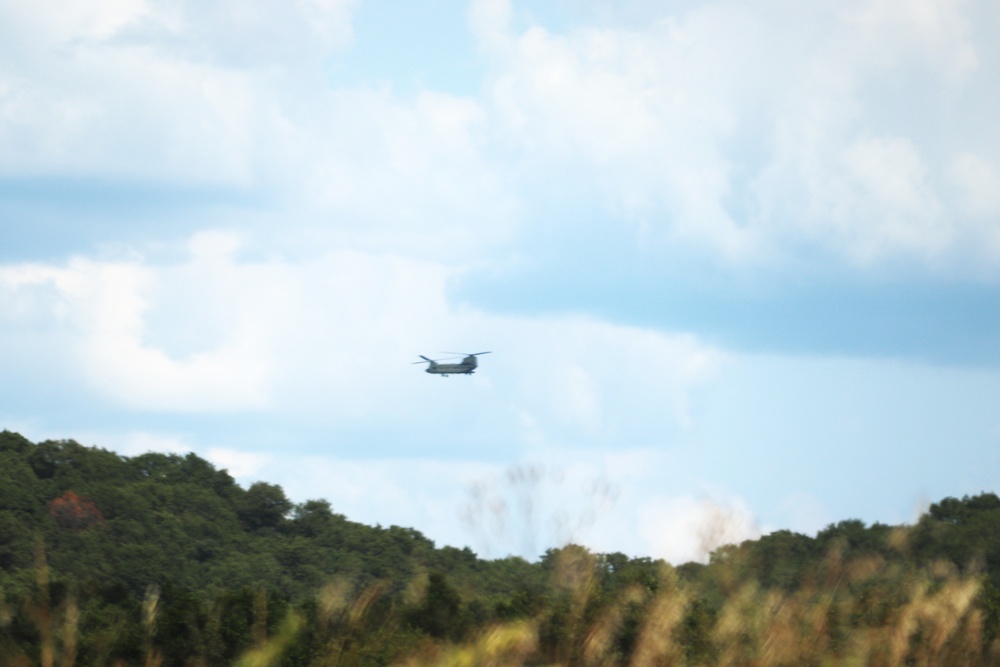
(657, 642)
(599, 640)
(505, 645)
(269, 651)
(42, 609)
(336, 606)
(71, 622)
(150, 611)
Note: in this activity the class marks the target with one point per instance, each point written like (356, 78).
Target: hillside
(165, 557)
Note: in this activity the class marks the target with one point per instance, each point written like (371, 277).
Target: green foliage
(439, 614)
(964, 532)
(163, 559)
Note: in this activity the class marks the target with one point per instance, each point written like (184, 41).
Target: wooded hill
(164, 559)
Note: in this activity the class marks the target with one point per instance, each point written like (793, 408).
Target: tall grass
(56, 627)
(868, 610)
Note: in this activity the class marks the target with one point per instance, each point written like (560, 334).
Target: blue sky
(738, 264)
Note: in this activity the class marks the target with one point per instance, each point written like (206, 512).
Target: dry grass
(505, 645)
(861, 611)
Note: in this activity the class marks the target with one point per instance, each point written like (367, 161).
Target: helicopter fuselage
(467, 367)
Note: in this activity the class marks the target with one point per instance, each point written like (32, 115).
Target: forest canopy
(106, 558)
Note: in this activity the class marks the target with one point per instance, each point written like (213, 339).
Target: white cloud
(228, 33)
(239, 464)
(754, 129)
(975, 181)
(138, 443)
(173, 96)
(746, 130)
(111, 307)
(936, 32)
(405, 176)
(686, 529)
(332, 335)
(978, 182)
(160, 92)
(101, 306)
(540, 502)
(386, 491)
(523, 508)
(888, 205)
(623, 103)
(49, 22)
(577, 400)
(803, 513)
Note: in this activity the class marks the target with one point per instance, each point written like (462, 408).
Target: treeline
(164, 559)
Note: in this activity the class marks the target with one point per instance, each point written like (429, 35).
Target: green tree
(439, 613)
(263, 505)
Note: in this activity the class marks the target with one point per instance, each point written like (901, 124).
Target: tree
(438, 615)
(263, 506)
(71, 511)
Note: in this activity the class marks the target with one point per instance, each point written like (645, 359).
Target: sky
(737, 264)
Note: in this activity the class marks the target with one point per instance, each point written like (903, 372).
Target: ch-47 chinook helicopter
(466, 367)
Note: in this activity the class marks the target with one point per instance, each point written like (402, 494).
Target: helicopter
(466, 367)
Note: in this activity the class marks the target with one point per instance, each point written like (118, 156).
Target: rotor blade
(466, 354)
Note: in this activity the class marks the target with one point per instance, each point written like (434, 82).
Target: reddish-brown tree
(71, 511)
